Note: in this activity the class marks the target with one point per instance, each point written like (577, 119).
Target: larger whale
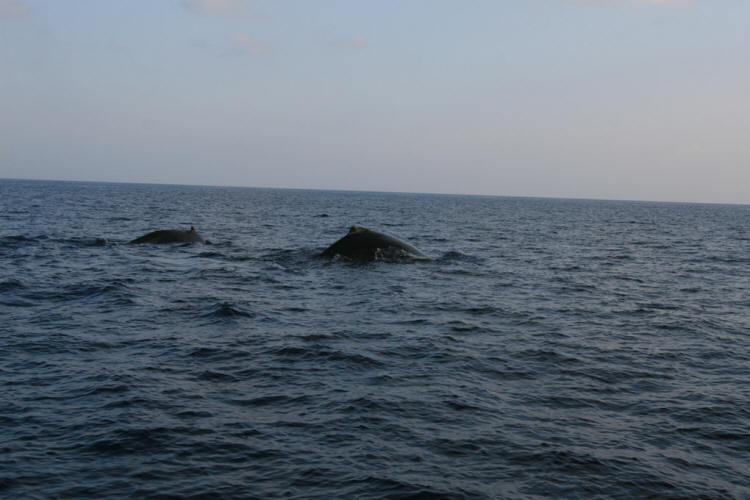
(170, 236)
(364, 244)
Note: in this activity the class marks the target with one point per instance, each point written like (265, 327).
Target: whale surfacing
(170, 236)
(364, 244)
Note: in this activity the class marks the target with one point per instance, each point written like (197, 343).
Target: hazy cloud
(13, 8)
(226, 7)
(359, 42)
(249, 44)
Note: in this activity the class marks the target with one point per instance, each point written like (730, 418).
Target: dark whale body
(170, 236)
(363, 244)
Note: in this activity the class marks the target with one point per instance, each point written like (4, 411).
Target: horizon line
(379, 191)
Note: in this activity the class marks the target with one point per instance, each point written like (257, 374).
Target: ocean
(547, 348)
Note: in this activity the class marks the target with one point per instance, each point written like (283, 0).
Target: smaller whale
(363, 244)
(170, 236)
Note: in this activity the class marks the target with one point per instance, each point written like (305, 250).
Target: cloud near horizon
(13, 8)
(222, 7)
(249, 44)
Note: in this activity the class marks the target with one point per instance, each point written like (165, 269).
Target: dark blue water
(549, 348)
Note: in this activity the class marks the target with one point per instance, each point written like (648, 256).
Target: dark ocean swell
(547, 348)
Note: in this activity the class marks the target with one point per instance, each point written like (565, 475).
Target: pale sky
(613, 99)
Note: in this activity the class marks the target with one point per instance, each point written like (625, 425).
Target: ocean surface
(548, 348)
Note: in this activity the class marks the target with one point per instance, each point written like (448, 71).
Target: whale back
(170, 236)
(364, 244)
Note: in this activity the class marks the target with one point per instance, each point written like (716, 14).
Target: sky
(606, 99)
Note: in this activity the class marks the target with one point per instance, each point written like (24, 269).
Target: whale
(170, 236)
(364, 244)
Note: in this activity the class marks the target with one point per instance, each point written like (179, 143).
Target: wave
(324, 354)
(19, 241)
(17, 237)
(209, 255)
(270, 399)
(452, 256)
(15, 242)
(86, 242)
(227, 310)
(116, 290)
(6, 286)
